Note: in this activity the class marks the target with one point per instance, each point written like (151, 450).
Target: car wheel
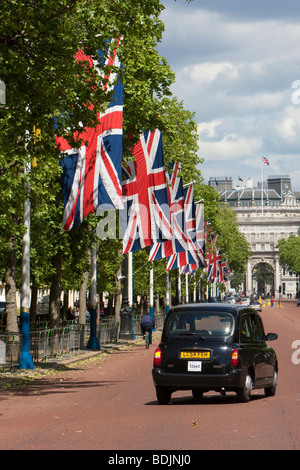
(270, 391)
(244, 394)
(163, 395)
(197, 394)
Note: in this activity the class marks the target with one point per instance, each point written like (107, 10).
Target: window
(257, 331)
(251, 329)
(245, 333)
(204, 324)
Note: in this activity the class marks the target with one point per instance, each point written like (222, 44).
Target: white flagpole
(262, 189)
(187, 287)
(130, 291)
(151, 291)
(25, 356)
(168, 294)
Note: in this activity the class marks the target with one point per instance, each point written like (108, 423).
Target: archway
(263, 281)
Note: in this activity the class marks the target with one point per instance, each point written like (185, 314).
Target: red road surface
(110, 404)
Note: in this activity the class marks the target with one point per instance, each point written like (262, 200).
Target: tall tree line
(46, 89)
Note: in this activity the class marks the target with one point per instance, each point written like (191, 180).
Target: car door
(264, 356)
(251, 349)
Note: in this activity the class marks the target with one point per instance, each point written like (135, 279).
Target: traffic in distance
(214, 346)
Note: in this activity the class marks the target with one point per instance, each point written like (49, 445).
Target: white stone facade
(265, 216)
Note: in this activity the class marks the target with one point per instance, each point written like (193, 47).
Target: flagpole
(262, 190)
(130, 291)
(25, 356)
(168, 294)
(187, 288)
(151, 291)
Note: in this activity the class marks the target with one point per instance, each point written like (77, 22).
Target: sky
(237, 66)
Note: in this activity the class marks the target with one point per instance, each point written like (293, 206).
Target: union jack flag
(223, 272)
(265, 160)
(190, 256)
(92, 173)
(146, 218)
(213, 260)
(200, 243)
(178, 243)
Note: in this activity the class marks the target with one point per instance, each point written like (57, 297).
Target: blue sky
(237, 66)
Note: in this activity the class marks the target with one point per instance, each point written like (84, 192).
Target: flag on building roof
(146, 217)
(92, 172)
(265, 160)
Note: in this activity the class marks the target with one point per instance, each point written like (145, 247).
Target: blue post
(25, 358)
(93, 342)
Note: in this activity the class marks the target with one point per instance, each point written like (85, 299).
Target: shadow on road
(229, 399)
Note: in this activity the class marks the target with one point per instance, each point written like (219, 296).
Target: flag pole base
(26, 360)
(93, 343)
(25, 356)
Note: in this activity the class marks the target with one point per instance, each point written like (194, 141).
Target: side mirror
(271, 337)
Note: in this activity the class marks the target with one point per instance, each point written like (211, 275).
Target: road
(109, 403)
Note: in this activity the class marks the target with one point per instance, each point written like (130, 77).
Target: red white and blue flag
(92, 172)
(191, 255)
(265, 160)
(200, 243)
(178, 243)
(146, 217)
(213, 260)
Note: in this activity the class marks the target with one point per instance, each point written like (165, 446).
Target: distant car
(255, 305)
(298, 302)
(217, 347)
(231, 300)
(245, 301)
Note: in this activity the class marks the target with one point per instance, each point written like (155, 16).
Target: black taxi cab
(220, 347)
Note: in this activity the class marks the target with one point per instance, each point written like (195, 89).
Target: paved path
(109, 403)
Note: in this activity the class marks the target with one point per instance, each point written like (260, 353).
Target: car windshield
(202, 324)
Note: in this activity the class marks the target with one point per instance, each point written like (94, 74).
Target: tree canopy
(48, 89)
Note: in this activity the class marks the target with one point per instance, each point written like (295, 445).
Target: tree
(289, 253)
(43, 80)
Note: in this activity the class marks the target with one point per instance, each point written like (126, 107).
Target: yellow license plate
(195, 354)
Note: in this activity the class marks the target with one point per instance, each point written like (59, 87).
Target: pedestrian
(272, 302)
(147, 324)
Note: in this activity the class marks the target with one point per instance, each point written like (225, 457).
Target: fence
(46, 342)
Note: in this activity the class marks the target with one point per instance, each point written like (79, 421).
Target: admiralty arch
(265, 215)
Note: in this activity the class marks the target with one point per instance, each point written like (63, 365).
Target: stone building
(265, 214)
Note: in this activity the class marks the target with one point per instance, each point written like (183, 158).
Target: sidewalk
(19, 377)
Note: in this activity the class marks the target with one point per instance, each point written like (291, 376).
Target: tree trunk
(82, 298)
(10, 290)
(33, 304)
(157, 303)
(55, 293)
(118, 293)
(65, 305)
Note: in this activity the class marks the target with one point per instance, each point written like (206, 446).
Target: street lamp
(125, 312)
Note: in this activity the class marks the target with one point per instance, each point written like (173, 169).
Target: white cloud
(229, 147)
(235, 68)
(289, 126)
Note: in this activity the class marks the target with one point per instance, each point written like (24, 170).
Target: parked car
(256, 305)
(219, 347)
(245, 301)
(298, 302)
(231, 300)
